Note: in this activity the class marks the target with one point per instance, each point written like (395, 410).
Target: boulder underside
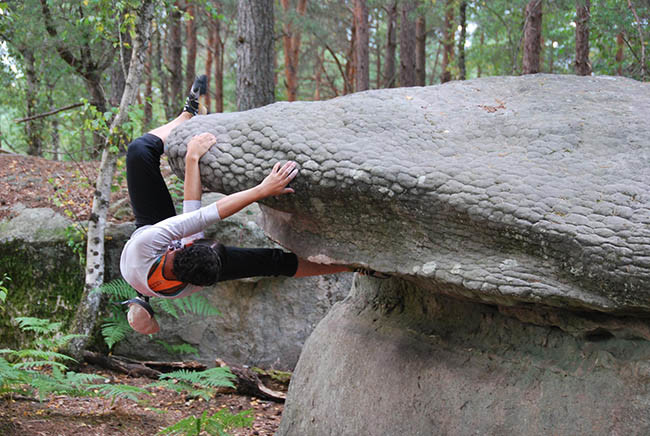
(513, 214)
(394, 359)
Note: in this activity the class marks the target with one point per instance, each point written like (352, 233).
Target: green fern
(119, 391)
(117, 289)
(180, 349)
(38, 325)
(218, 424)
(213, 377)
(115, 328)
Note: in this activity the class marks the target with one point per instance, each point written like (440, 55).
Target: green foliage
(3, 289)
(217, 424)
(115, 326)
(180, 349)
(197, 383)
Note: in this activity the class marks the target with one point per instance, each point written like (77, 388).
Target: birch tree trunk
(88, 310)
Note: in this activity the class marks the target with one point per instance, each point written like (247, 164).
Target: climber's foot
(199, 88)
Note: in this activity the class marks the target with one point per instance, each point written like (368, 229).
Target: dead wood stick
(117, 364)
(248, 383)
(47, 114)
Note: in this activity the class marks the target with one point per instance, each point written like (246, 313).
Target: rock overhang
(529, 189)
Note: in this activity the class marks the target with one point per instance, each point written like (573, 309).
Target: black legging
(150, 198)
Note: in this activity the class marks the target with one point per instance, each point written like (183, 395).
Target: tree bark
(362, 55)
(532, 37)
(161, 73)
(291, 40)
(218, 73)
(582, 66)
(148, 91)
(86, 316)
(619, 53)
(391, 47)
(175, 66)
(190, 38)
(33, 128)
(420, 51)
(448, 42)
(462, 72)
(255, 84)
(209, 50)
(350, 66)
(407, 44)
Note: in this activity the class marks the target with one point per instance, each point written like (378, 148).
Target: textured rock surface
(514, 216)
(394, 359)
(507, 190)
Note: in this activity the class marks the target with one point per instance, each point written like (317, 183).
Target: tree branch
(47, 114)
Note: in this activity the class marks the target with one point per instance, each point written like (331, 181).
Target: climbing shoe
(199, 88)
(371, 273)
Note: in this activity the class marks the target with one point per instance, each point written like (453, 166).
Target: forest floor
(67, 187)
(60, 415)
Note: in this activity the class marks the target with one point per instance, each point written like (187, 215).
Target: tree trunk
(209, 50)
(88, 309)
(362, 61)
(255, 85)
(175, 62)
(350, 67)
(148, 91)
(583, 66)
(161, 73)
(462, 73)
(479, 69)
(291, 41)
(448, 42)
(391, 47)
(33, 129)
(190, 38)
(420, 51)
(379, 80)
(619, 53)
(532, 37)
(318, 73)
(218, 73)
(407, 45)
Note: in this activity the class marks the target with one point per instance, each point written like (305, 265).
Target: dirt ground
(67, 187)
(59, 415)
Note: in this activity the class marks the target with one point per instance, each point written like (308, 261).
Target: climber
(167, 256)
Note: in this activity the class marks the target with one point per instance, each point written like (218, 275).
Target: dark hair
(197, 264)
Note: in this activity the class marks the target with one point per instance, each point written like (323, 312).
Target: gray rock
(513, 214)
(551, 173)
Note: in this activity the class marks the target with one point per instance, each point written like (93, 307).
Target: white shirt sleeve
(191, 206)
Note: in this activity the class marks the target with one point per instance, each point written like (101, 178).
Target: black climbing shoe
(199, 88)
(371, 273)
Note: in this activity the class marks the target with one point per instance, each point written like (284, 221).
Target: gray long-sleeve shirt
(148, 243)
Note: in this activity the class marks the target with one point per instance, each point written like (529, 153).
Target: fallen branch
(247, 381)
(47, 114)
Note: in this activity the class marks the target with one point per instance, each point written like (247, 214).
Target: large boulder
(513, 214)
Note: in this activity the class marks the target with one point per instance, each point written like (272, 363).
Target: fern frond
(198, 305)
(223, 421)
(37, 363)
(119, 391)
(183, 387)
(115, 329)
(213, 377)
(38, 325)
(190, 426)
(166, 305)
(178, 348)
(40, 355)
(118, 289)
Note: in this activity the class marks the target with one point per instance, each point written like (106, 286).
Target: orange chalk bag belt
(159, 273)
